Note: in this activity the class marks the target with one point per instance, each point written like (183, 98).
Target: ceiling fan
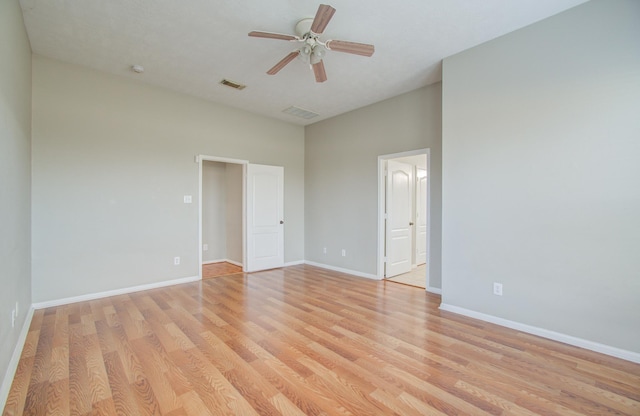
(313, 49)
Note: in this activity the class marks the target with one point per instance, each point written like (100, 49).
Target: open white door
(421, 216)
(399, 225)
(265, 217)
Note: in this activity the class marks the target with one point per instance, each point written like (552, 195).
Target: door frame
(382, 159)
(200, 159)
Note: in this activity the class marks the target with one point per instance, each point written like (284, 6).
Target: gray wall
(15, 178)
(112, 160)
(541, 179)
(233, 216)
(341, 176)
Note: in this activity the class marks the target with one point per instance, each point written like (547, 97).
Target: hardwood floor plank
(96, 372)
(300, 386)
(394, 403)
(154, 365)
(288, 390)
(193, 405)
(212, 387)
(132, 366)
(124, 401)
(42, 357)
(222, 268)
(19, 388)
(79, 394)
(284, 406)
(507, 405)
(302, 340)
(103, 407)
(422, 406)
(36, 401)
(350, 395)
(58, 397)
(145, 398)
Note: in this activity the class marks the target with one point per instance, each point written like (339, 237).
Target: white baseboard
(236, 263)
(435, 290)
(294, 263)
(123, 291)
(545, 333)
(341, 270)
(213, 261)
(15, 359)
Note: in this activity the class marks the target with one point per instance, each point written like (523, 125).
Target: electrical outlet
(344, 253)
(187, 199)
(497, 289)
(176, 261)
(324, 250)
(205, 247)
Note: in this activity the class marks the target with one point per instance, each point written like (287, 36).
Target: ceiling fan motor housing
(303, 28)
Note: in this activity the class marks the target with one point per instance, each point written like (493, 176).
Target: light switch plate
(187, 199)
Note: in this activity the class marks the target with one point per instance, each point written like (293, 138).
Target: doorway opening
(404, 217)
(221, 218)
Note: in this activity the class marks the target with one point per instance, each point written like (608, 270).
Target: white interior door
(421, 216)
(398, 226)
(265, 217)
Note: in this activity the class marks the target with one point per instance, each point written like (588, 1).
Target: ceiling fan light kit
(313, 50)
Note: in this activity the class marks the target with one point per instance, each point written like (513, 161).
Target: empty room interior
(319, 154)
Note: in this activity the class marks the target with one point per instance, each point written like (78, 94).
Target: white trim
(115, 292)
(545, 333)
(435, 290)
(382, 167)
(244, 215)
(199, 159)
(294, 263)
(382, 159)
(341, 270)
(15, 359)
(235, 263)
(214, 261)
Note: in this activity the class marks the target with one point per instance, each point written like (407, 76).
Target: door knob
(281, 222)
(410, 223)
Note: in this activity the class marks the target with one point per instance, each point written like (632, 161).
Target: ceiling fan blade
(270, 35)
(323, 16)
(350, 47)
(319, 72)
(277, 67)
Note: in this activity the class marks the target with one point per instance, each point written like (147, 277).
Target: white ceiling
(191, 45)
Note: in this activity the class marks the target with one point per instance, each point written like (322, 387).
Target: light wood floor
(416, 277)
(302, 340)
(219, 269)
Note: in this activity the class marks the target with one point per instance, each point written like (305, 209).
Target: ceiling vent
(233, 84)
(300, 112)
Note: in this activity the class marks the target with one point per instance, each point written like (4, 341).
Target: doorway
(403, 216)
(253, 213)
(221, 219)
